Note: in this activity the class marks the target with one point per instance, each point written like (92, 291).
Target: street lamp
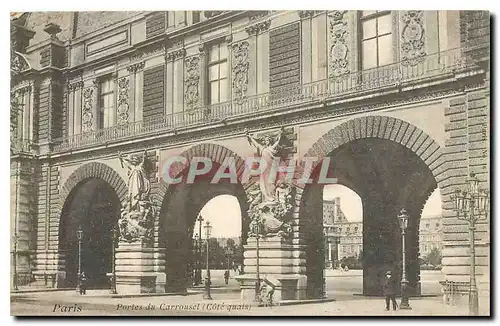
(337, 251)
(79, 236)
(256, 230)
(114, 237)
(403, 223)
(229, 253)
(207, 295)
(330, 262)
(200, 244)
(472, 205)
(15, 238)
(197, 265)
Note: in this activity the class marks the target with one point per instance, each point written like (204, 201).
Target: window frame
(220, 42)
(376, 15)
(100, 109)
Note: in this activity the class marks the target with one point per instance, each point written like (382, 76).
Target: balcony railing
(18, 145)
(432, 67)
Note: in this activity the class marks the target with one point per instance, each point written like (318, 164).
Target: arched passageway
(388, 176)
(94, 205)
(178, 221)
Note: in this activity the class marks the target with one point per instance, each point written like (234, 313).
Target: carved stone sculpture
(240, 70)
(123, 99)
(412, 38)
(87, 116)
(270, 204)
(339, 65)
(192, 81)
(138, 212)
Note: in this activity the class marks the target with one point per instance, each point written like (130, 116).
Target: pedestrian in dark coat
(83, 283)
(390, 291)
(226, 276)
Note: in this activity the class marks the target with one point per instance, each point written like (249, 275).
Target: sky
(223, 211)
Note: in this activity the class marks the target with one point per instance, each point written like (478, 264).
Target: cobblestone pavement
(342, 288)
(223, 303)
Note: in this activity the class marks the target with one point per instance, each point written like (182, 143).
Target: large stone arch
(217, 153)
(91, 199)
(94, 170)
(377, 129)
(181, 202)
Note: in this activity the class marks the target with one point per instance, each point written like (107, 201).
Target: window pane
(223, 51)
(224, 96)
(369, 28)
(384, 24)
(369, 56)
(385, 50)
(214, 92)
(213, 72)
(213, 53)
(223, 70)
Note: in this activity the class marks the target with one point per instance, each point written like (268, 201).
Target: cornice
(258, 28)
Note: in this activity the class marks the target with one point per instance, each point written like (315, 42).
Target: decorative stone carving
(412, 38)
(138, 212)
(240, 69)
(258, 28)
(18, 63)
(339, 64)
(192, 81)
(172, 56)
(255, 15)
(87, 115)
(136, 67)
(270, 203)
(74, 86)
(305, 14)
(123, 99)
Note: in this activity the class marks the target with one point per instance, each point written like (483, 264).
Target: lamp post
(403, 223)
(256, 231)
(472, 205)
(207, 295)
(15, 238)
(337, 251)
(79, 236)
(229, 253)
(330, 262)
(114, 237)
(197, 264)
(200, 243)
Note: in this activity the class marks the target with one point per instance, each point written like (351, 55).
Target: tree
(434, 257)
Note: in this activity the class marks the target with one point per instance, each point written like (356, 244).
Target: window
(196, 17)
(106, 102)
(376, 39)
(217, 74)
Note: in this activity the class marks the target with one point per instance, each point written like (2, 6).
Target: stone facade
(433, 113)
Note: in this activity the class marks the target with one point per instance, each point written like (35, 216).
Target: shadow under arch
(182, 203)
(92, 198)
(391, 164)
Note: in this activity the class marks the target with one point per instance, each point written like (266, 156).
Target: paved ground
(226, 301)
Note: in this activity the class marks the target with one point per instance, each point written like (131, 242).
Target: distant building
(430, 235)
(350, 234)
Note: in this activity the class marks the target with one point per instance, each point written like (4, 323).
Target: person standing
(83, 283)
(390, 291)
(226, 276)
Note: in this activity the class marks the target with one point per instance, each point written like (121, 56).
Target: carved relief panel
(89, 94)
(122, 110)
(338, 51)
(192, 82)
(240, 69)
(412, 38)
